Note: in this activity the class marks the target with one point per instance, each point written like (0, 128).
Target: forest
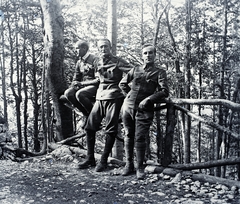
(197, 43)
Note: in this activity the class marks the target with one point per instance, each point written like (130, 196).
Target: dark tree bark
(112, 35)
(54, 55)
(186, 137)
(168, 139)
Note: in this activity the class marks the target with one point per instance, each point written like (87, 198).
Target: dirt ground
(53, 182)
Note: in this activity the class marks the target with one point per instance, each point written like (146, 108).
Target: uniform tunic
(109, 97)
(147, 81)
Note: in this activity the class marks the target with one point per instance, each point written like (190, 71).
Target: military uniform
(147, 83)
(83, 97)
(109, 99)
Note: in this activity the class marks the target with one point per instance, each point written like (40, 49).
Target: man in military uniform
(80, 94)
(109, 99)
(148, 86)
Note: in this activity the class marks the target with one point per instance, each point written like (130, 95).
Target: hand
(146, 104)
(76, 85)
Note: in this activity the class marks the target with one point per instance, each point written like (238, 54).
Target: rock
(188, 180)
(229, 196)
(194, 189)
(197, 184)
(216, 201)
(61, 152)
(225, 188)
(177, 178)
(192, 202)
(234, 188)
(67, 158)
(188, 195)
(134, 182)
(203, 191)
(183, 182)
(161, 175)
(159, 194)
(166, 177)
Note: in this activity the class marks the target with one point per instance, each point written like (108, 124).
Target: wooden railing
(174, 104)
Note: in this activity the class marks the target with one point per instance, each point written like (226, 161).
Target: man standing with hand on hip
(109, 99)
(149, 86)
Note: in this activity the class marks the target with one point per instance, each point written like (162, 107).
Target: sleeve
(78, 75)
(163, 90)
(124, 65)
(91, 59)
(91, 82)
(124, 83)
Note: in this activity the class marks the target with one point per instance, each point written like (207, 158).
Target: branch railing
(173, 104)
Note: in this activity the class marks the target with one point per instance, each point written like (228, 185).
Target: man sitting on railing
(80, 96)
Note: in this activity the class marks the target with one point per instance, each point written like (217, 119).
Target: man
(148, 86)
(109, 99)
(80, 94)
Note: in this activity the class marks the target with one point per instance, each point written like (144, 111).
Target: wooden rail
(173, 104)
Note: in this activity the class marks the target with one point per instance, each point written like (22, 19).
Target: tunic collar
(148, 67)
(85, 56)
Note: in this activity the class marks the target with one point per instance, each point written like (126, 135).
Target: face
(104, 48)
(148, 55)
(81, 51)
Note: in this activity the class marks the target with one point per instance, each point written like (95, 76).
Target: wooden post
(168, 139)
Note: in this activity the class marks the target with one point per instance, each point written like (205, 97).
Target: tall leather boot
(129, 149)
(140, 154)
(90, 160)
(102, 165)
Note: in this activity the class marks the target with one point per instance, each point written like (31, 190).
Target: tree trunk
(186, 138)
(112, 36)
(142, 24)
(221, 136)
(2, 62)
(236, 99)
(25, 91)
(159, 135)
(112, 24)
(15, 74)
(54, 55)
(168, 139)
(205, 165)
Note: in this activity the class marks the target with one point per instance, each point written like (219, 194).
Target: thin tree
(221, 136)
(186, 138)
(112, 36)
(2, 62)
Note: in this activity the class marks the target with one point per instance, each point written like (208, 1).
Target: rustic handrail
(224, 102)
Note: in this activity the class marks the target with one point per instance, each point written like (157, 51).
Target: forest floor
(56, 182)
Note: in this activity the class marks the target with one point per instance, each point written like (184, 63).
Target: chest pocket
(86, 68)
(113, 73)
(146, 83)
